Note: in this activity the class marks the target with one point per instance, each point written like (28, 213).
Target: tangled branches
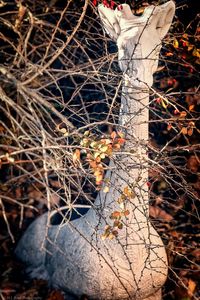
(59, 81)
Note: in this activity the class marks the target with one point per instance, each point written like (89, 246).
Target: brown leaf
(116, 214)
(193, 163)
(55, 295)
(76, 156)
(158, 213)
(55, 183)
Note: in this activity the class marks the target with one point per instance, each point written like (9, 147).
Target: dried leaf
(126, 213)
(190, 131)
(103, 148)
(116, 214)
(86, 133)
(128, 192)
(55, 295)
(191, 287)
(184, 130)
(191, 107)
(93, 144)
(158, 213)
(76, 156)
(196, 52)
(121, 141)
(183, 114)
(164, 103)
(113, 135)
(193, 163)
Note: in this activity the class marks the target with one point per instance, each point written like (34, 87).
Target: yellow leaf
(175, 43)
(86, 133)
(102, 155)
(93, 144)
(96, 154)
(103, 148)
(122, 205)
(106, 141)
(196, 52)
(84, 142)
(106, 189)
(111, 236)
(128, 192)
(63, 130)
(164, 103)
(107, 227)
(121, 134)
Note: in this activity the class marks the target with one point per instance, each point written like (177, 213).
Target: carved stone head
(138, 38)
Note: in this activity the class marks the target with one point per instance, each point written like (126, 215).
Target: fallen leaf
(158, 213)
(193, 163)
(55, 295)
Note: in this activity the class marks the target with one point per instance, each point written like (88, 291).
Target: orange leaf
(184, 130)
(168, 54)
(113, 135)
(116, 146)
(190, 131)
(183, 114)
(169, 127)
(121, 141)
(126, 213)
(191, 287)
(116, 214)
(191, 107)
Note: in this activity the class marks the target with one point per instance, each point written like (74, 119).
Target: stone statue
(73, 256)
